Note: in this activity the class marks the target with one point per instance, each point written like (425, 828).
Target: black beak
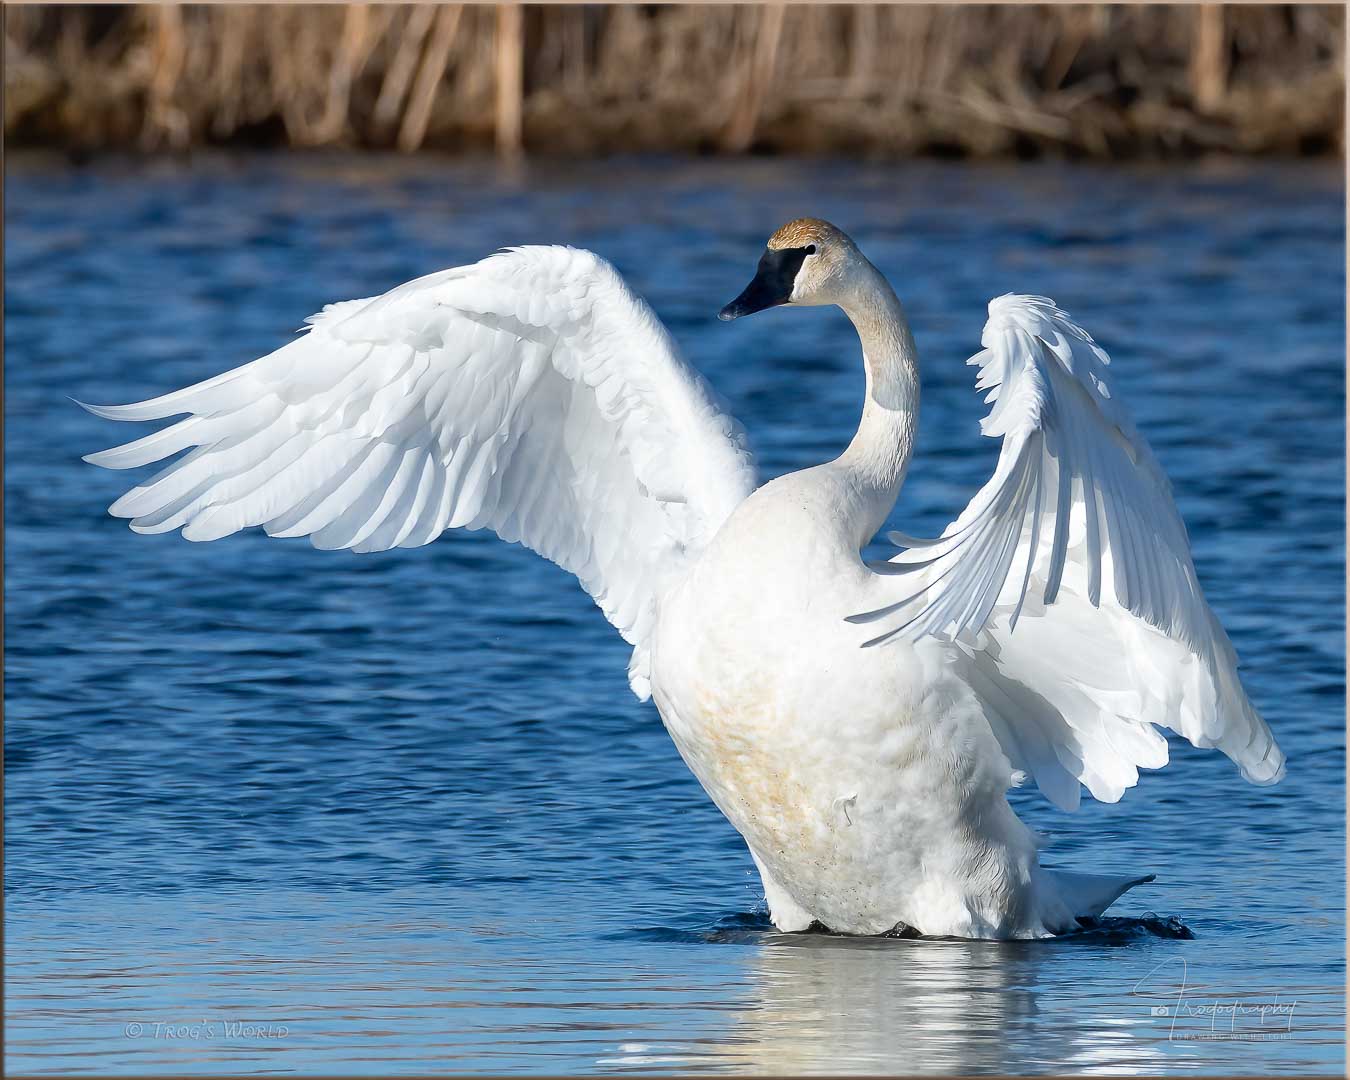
(771, 285)
(757, 296)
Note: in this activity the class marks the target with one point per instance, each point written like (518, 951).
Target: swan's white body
(859, 725)
(871, 794)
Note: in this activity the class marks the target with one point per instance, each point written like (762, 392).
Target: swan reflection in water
(925, 1006)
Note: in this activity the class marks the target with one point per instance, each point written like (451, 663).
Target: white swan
(859, 725)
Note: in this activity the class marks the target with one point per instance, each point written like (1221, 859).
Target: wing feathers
(530, 393)
(1072, 568)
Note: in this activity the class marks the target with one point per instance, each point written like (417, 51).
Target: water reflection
(939, 1007)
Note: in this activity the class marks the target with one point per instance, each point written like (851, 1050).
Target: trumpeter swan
(860, 725)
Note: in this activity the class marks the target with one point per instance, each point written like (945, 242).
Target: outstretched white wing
(531, 393)
(1066, 585)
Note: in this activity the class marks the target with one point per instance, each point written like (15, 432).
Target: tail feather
(1092, 894)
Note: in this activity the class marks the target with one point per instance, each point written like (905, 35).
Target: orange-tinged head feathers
(804, 231)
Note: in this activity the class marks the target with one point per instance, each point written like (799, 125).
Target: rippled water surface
(276, 809)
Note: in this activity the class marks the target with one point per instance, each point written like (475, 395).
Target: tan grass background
(1090, 80)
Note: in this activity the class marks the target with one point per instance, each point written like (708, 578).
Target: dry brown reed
(881, 81)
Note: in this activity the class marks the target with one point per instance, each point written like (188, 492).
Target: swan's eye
(810, 249)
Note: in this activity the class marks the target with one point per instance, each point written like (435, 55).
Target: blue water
(400, 812)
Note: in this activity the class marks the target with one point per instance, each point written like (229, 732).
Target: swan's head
(808, 261)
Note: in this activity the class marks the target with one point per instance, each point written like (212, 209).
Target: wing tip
(106, 412)
(1264, 777)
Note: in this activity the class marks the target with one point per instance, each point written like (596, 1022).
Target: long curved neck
(876, 459)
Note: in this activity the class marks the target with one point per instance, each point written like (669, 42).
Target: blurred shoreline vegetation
(874, 81)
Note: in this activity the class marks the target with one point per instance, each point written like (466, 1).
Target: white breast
(855, 784)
